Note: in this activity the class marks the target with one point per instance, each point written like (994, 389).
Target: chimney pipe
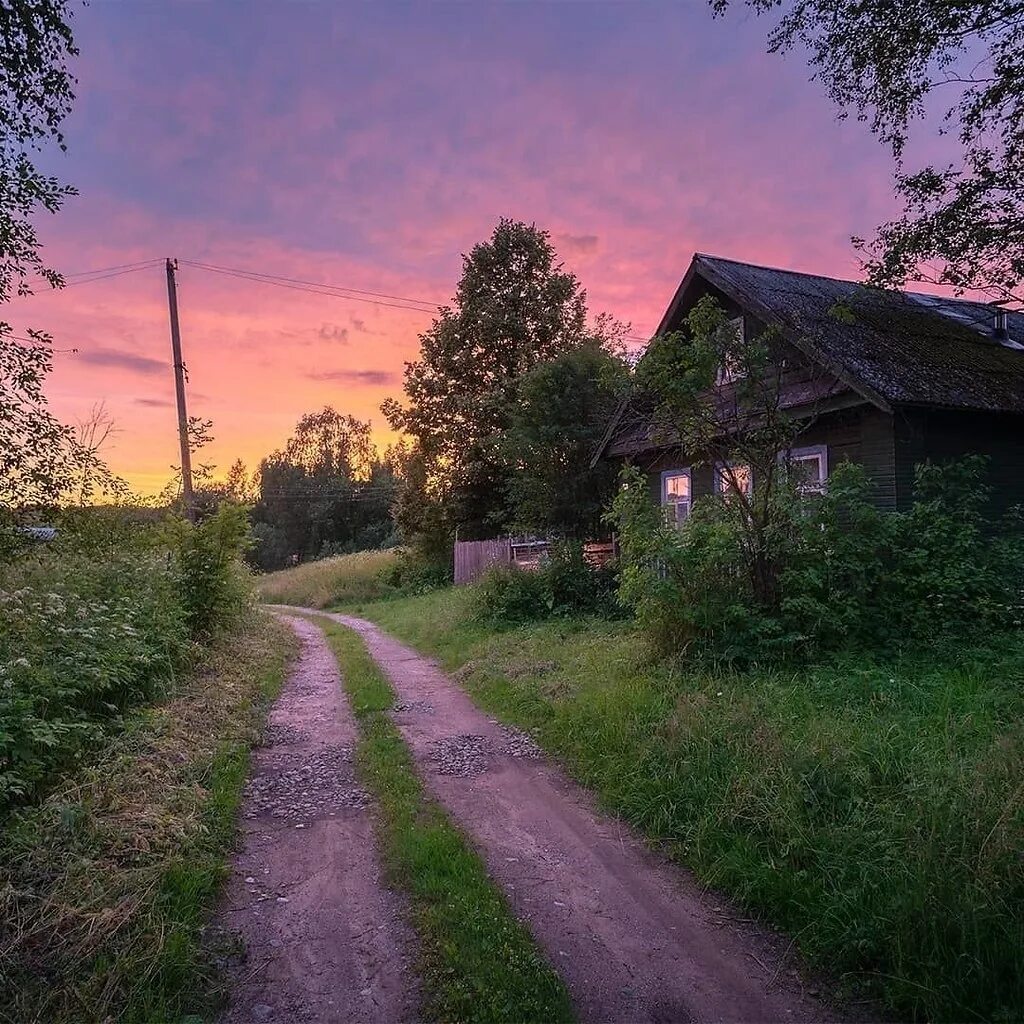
(1002, 329)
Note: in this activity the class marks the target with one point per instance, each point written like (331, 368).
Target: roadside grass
(342, 579)
(479, 963)
(106, 885)
(874, 810)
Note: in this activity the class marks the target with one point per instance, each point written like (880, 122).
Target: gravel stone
(303, 786)
(419, 707)
(464, 755)
(521, 744)
(282, 734)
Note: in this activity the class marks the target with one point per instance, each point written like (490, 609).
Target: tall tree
(897, 64)
(515, 306)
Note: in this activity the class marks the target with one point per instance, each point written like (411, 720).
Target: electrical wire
(329, 290)
(387, 299)
(315, 284)
(105, 277)
(118, 266)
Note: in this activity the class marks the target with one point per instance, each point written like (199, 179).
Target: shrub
(848, 575)
(566, 584)
(411, 572)
(207, 566)
(507, 594)
(79, 642)
(90, 628)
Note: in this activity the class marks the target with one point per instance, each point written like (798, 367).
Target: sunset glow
(369, 148)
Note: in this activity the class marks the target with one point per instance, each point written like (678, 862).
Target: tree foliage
(564, 408)
(740, 428)
(42, 461)
(515, 307)
(898, 64)
(325, 492)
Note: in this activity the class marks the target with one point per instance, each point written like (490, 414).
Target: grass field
(478, 962)
(105, 885)
(874, 811)
(344, 579)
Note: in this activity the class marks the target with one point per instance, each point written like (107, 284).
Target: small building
(886, 379)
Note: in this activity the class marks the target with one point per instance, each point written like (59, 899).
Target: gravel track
(324, 940)
(635, 938)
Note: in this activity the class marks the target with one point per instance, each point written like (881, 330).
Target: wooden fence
(474, 557)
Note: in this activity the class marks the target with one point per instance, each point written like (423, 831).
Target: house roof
(891, 348)
(904, 348)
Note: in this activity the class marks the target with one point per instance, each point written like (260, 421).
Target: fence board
(474, 557)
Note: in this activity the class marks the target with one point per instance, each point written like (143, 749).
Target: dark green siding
(942, 435)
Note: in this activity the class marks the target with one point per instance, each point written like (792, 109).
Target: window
(808, 468)
(733, 477)
(675, 495)
(731, 370)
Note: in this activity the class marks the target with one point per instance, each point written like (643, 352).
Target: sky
(369, 146)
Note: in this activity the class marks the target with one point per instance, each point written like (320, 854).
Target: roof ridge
(783, 270)
(905, 292)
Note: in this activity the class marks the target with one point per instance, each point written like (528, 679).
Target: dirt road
(635, 938)
(324, 940)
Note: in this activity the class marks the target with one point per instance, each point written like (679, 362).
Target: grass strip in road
(479, 962)
(106, 885)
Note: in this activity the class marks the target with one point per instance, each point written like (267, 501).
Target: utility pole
(179, 390)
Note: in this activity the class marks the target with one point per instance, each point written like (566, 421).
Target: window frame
(665, 503)
(806, 453)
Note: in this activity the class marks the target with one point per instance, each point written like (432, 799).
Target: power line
(118, 266)
(342, 291)
(315, 284)
(107, 276)
(332, 291)
(388, 299)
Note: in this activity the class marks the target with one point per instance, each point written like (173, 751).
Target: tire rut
(634, 937)
(324, 940)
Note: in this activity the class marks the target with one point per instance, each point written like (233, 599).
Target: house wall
(862, 434)
(942, 435)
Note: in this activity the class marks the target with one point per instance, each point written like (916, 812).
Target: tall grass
(106, 885)
(91, 627)
(343, 579)
(873, 809)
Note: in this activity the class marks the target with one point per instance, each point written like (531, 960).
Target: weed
(105, 886)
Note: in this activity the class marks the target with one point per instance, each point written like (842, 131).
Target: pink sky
(369, 147)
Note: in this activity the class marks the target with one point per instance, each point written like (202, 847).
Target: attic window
(731, 369)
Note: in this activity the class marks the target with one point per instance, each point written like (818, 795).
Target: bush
(565, 585)
(207, 567)
(848, 575)
(413, 573)
(88, 630)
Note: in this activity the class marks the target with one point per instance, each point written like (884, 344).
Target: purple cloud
(376, 378)
(116, 358)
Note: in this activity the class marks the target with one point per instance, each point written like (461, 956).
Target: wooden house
(886, 379)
